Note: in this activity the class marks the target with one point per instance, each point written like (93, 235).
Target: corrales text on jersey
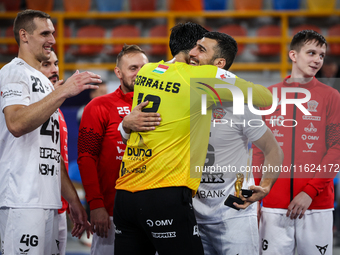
(166, 86)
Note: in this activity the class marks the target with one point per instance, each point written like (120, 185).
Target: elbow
(15, 130)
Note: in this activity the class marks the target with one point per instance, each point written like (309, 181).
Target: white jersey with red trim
(227, 155)
(29, 164)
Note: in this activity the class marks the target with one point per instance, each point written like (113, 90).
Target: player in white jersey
(32, 176)
(223, 229)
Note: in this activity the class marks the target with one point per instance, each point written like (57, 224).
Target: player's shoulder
(14, 71)
(277, 85)
(107, 99)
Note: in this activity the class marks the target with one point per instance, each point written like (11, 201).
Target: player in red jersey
(100, 149)
(300, 204)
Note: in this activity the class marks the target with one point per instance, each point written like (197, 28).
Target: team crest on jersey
(312, 105)
(160, 69)
(218, 113)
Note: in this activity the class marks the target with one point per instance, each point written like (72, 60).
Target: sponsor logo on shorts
(164, 234)
(159, 223)
(24, 252)
(264, 244)
(322, 249)
(196, 231)
(117, 231)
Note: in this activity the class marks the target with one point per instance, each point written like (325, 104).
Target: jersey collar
(297, 84)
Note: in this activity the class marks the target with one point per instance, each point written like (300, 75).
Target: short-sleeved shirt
(30, 164)
(167, 156)
(227, 155)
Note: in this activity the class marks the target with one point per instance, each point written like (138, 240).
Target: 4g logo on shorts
(238, 99)
(29, 241)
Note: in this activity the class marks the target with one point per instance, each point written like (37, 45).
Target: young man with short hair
(297, 214)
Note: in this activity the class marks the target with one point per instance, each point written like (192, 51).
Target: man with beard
(100, 149)
(153, 206)
(50, 69)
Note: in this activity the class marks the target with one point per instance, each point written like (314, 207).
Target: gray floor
(75, 247)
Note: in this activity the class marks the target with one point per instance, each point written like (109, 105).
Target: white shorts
(311, 235)
(232, 236)
(62, 233)
(104, 245)
(31, 231)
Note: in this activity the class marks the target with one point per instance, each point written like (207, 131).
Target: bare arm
(21, 119)
(273, 156)
(77, 211)
(140, 121)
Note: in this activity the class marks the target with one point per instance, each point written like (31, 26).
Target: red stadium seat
(11, 49)
(185, 5)
(11, 5)
(158, 31)
(242, 5)
(305, 27)
(123, 31)
(145, 5)
(45, 5)
(235, 30)
(77, 5)
(67, 34)
(334, 47)
(91, 31)
(268, 49)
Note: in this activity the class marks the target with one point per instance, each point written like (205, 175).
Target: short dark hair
(184, 37)
(305, 36)
(226, 47)
(24, 20)
(127, 49)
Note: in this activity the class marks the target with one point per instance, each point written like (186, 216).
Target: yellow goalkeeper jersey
(169, 155)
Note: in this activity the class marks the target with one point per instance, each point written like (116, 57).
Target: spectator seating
(235, 30)
(90, 31)
(41, 5)
(10, 49)
(109, 5)
(11, 5)
(158, 31)
(144, 5)
(268, 49)
(286, 4)
(334, 47)
(77, 5)
(243, 5)
(122, 31)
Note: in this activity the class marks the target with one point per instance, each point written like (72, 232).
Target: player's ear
(23, 35)
(292, 55)
(118, 72)
(220, 62)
